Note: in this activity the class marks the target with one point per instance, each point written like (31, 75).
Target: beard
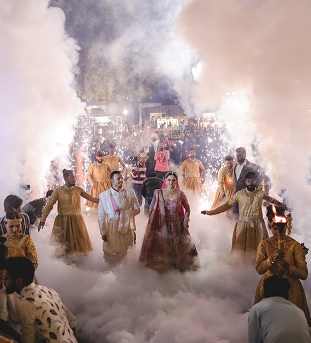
(10, 290)
(100, 161)
(251, 188)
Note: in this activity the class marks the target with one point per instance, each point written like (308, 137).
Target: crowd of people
(161, 176)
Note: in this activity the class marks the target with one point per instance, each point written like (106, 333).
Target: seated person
(44, 318)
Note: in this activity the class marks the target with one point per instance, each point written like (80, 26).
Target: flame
(278, 219)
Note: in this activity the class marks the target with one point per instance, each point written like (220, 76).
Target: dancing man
(69, 229)
(250, 228)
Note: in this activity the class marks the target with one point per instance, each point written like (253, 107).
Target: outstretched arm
(48, 208)
(223, 208)
(89, 197)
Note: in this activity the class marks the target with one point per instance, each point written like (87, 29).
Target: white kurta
(277, 320)
(116, 213)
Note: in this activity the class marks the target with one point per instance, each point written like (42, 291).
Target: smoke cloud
(255, 59)
(38, 101)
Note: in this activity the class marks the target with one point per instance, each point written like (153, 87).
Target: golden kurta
(225, 186)
(191, 170)
(98, 176)
(250, 228)
(22, 245)
(69, 230)
(113, 161)
(295, 257)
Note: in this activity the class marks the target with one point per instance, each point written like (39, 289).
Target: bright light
(125, 112)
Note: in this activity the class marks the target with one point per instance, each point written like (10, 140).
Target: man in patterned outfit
(44, 318)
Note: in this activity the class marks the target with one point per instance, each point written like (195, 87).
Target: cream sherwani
(116, 212)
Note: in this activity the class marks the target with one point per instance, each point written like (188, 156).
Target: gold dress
(225, 186)
(191, 169)
(113, 161)
(98, 175)
(295, 257)
(22, 245)
(250, 229)
(69, 230)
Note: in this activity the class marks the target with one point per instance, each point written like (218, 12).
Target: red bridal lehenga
(167, 244)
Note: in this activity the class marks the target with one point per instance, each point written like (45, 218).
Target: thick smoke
(129, 49)
(132, 304)
(38, 101)
(255, 68)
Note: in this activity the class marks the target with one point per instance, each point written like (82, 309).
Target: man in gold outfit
(190, 171)
(225, 183)
(250, 228)
(113, 160)
(69, 230)
(98, 176)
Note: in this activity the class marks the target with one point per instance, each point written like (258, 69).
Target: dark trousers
(147, 205)
(137, 189)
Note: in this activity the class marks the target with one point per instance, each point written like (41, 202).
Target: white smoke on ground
(255, 69)
(130, 303)
(38, 101)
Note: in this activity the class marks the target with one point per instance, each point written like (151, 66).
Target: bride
(167, 242)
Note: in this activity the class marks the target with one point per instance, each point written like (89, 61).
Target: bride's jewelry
(171, 189)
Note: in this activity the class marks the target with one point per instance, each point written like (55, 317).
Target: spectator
(35, 207)
(44, 318)
(138, 174)
(148, 188)
(161, 157)
(185, 149)
(18, 243)
(275, 319)
(174, 154)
